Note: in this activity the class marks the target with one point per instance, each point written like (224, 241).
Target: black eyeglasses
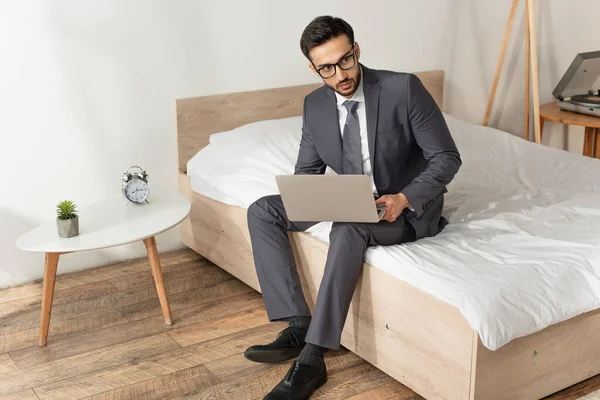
(345, 63)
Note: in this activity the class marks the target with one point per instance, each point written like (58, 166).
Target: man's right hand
(394, 205)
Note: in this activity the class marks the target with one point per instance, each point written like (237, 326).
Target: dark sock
(300, 322)
(312, 355)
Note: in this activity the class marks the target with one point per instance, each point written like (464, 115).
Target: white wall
(87, 88)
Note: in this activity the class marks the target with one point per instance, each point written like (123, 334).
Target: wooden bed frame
(417, 339)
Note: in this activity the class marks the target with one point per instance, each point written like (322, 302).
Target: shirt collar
(359, 95)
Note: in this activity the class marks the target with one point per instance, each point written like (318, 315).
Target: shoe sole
(271, 356)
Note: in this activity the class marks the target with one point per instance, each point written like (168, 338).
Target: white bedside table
(106, 224)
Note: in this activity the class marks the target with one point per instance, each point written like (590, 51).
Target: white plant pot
(68, 227)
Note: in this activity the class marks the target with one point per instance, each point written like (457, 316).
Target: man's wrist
(408, 205)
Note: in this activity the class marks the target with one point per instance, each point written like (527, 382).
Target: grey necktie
(351, 155)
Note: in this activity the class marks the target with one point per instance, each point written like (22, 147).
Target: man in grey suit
(362, 121)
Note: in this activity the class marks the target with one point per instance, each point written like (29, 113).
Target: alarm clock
(135, 185)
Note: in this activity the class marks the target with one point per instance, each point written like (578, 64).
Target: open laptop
(337, 198)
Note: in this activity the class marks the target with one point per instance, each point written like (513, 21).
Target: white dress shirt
(359, 97)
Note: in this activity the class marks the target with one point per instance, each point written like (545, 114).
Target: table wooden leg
(158, 278)
(590, 142)
(542, 120)
(48, 294)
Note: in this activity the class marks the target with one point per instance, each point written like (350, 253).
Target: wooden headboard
(200, 117)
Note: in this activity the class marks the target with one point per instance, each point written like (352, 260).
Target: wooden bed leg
(473, 365)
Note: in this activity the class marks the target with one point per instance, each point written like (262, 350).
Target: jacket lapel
(371, 89)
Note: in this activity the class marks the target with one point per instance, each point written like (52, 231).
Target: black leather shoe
(288, 344)
(299, 383)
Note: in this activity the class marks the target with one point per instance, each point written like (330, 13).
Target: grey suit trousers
(278, 277)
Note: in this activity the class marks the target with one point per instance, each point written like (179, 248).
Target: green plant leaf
(66, 209)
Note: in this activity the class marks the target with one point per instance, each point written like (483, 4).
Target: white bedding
(521, 251)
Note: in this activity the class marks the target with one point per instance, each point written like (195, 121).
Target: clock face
(136, 190)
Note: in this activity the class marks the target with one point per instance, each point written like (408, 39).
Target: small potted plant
(67, 219)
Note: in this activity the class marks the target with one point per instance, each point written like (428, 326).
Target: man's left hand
(394, 205)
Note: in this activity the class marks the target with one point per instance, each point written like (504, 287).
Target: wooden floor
(108, 340)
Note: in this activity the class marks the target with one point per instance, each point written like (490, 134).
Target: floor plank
(157, 377)
(236, 366)
(112, 335)
(6, 363)
(184, 268)
(62, 329)
(63, 296)
(351, 381)
(22, 379)
(164, 387)
(202, 332)
(213, 285)
(254, 386)
(114, 271)
(24, 395)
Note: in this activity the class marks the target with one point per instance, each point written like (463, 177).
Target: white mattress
(521, 252)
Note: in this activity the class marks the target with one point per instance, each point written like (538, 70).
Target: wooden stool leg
(47, 295)
(158, 278)
(589, 143)
(596, 153)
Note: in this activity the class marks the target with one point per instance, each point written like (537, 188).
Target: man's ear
(357, 51)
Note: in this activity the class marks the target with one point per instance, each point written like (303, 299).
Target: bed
(439, 338)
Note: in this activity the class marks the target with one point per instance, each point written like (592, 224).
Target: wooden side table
(105, 224)
(591, 145)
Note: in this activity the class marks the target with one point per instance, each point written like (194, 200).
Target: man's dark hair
(322, 29)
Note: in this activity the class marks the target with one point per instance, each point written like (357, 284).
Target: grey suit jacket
(410, 145)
